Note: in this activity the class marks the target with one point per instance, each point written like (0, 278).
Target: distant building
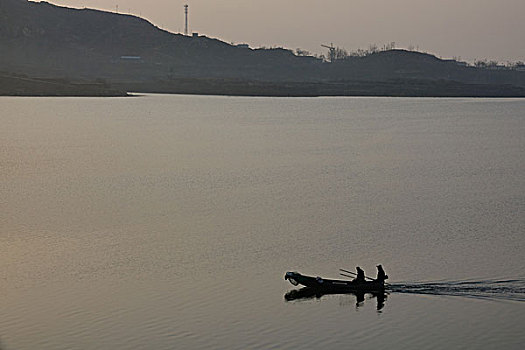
(131, 59)
(243, 46)
(195, 35)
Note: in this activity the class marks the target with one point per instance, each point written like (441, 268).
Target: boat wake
(512, 290)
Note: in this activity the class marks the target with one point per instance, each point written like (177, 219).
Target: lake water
(168, 222)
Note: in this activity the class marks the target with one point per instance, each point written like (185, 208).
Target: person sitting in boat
(381, 275)
(360, 275)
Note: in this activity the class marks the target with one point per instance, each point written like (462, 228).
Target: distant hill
(47, 41)
(403, 64)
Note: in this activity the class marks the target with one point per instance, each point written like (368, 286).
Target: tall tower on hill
(185, 19)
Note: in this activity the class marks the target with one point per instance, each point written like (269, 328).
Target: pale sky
(470, 29)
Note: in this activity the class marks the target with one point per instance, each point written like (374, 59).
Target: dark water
(164, 222)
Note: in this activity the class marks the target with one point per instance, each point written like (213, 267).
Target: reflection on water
(513, 290)
(311, 293)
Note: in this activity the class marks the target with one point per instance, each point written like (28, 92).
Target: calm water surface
(168, 222)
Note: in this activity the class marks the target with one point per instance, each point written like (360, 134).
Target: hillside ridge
(39, 39)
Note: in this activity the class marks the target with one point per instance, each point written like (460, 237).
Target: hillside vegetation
(44, 41)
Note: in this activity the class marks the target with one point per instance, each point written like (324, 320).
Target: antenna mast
(185, 19)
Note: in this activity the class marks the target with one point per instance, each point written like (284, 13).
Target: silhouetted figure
(381, 275)
(360, 275)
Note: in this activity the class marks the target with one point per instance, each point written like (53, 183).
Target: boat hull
(334, 285)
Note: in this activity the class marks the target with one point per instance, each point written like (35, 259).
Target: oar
(355, 274)
(342, 274)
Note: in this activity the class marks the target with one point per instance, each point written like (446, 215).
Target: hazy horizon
(470, 30)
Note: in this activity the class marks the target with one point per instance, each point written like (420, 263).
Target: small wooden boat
(330, 285)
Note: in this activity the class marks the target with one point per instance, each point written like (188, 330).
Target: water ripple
(509, 289)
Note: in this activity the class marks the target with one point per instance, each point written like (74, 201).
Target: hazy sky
(470, 29)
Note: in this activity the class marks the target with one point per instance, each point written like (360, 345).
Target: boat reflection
(311, 293)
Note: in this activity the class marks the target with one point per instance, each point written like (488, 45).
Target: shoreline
(24, 86)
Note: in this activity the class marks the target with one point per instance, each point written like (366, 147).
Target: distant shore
(391, 88)
(50, 50)
(18, 85)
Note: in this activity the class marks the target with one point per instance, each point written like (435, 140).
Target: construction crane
(331, 52)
